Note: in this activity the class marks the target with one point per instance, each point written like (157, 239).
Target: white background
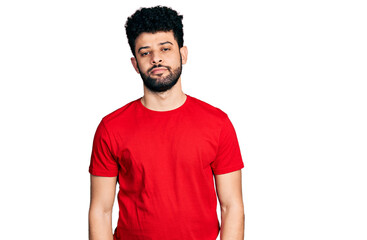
(290, 74)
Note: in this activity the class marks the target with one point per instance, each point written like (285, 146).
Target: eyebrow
(166, 43)
(162, 43)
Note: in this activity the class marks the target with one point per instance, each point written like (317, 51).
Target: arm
(229, 190)
(100, 212)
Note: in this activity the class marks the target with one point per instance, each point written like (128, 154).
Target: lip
(158, 70)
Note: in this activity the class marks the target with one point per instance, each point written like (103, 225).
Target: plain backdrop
(291, 75)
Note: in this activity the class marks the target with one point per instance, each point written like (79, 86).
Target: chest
(161, 145)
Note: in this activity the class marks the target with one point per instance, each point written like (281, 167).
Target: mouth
(158, 70)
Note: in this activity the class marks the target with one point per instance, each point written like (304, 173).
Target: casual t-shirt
(165, 161)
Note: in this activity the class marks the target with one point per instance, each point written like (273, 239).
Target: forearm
(232, 223)
(100, 225)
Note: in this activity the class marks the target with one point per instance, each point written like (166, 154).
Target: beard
(164, 83)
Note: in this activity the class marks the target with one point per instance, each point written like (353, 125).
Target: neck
(164, 101)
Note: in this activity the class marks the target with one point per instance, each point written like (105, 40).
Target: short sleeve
(228, 158)
(102, 162)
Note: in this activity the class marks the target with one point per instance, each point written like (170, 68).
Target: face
(158, 60)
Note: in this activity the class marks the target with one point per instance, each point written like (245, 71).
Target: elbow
(95, 211)
(232, 207)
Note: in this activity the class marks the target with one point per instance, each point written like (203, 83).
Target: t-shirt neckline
(140, 104)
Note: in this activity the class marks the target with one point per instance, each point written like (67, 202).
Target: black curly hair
(152, 20)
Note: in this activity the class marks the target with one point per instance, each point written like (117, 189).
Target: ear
(135, 64)
(183, 52)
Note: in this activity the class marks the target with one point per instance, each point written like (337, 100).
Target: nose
(156, 58)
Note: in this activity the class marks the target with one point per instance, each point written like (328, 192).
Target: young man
(164, 149)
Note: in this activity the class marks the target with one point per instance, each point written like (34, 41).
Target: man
(163, 149)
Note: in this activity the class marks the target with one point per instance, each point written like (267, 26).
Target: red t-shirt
(165, 163)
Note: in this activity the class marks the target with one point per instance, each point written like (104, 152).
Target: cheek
(175, 60)
(142, 65)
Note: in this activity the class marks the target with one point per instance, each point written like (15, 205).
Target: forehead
(151, 39)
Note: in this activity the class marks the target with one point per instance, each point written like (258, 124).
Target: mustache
(157, 66)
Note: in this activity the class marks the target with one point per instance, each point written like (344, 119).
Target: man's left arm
(229, 190)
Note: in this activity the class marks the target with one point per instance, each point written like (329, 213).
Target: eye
(165, 49)
(144, 54)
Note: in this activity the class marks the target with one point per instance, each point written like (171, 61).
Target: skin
(103, 190)
(159, 48)
(150, 50)
(229, 191)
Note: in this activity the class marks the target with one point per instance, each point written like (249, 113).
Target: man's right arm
(103, 191)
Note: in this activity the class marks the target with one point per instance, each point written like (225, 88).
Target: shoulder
(121, 114)
(207, 109)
